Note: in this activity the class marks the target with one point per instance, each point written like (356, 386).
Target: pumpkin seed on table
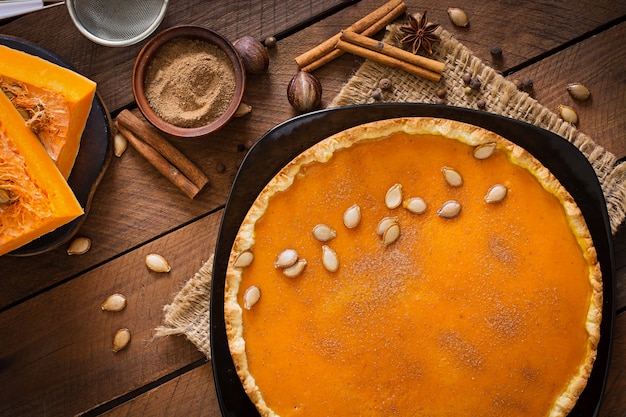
(242, 110)
(157, 263)
(120, 143)
(458, 16)
(568, 114)
(578, 91)
(121, 340)
(114, 303)
(79, 246)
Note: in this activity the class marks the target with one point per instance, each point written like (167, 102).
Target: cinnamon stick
(388, 60)
(392, 51)
(373, 23)
(168, 170)
(146, 134)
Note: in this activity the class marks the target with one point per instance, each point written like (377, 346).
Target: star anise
(420, 33)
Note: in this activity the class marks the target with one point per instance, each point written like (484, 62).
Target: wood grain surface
(56, 357)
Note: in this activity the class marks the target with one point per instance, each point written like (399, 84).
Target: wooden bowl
(142, 64)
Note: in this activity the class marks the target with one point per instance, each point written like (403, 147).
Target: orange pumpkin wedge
(54, 101)
(34, 197)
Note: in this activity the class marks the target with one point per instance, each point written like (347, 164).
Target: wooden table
(55, 355)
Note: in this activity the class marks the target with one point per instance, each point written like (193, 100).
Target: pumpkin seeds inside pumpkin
(5, 196)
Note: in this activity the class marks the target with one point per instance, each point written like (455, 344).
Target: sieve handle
(14, 8)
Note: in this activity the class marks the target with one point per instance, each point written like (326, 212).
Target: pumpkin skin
(55, 102)
(39, 198)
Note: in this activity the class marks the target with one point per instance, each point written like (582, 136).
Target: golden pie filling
(413, 266)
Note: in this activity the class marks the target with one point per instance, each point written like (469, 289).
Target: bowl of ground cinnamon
(188, 81)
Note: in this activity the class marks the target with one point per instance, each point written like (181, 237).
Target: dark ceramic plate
(91, 162)
(277, 147)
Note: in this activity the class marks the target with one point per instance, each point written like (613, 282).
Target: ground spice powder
(190, 82)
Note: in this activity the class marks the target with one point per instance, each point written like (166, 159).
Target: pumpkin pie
(413, 266)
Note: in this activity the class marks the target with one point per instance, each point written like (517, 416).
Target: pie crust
(495, 311)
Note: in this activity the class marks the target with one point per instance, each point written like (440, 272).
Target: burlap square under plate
(188, 314)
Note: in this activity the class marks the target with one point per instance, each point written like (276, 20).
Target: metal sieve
(116, 22)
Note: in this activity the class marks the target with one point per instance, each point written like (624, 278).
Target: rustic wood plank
(191, 394)
(57, 356)
(526, 30)
(598, 63)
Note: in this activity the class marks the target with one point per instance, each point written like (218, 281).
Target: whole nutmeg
(304, 92)
(253, 54)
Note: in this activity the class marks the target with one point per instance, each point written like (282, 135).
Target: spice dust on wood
(190, 82)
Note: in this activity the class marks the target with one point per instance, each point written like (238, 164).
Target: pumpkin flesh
(34, 196)
(54, 101)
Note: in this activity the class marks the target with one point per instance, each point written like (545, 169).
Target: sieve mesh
(113, 22)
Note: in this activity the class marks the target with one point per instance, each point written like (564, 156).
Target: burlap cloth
(188, 313)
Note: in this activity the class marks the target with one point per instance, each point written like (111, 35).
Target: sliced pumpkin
(34, 196)
(54, 101)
